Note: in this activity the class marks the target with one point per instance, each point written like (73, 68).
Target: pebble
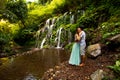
(54, 75)
(57, 72)
(57, 67)
(50, 70)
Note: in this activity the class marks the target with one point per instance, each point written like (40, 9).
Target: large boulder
(94, 50)
(98, 75)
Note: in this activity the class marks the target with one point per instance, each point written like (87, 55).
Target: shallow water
(32, 66)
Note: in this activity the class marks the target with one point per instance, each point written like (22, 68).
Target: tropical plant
(19, 8)
(116, 69)
(7, 33)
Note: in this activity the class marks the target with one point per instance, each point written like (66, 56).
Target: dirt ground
(64, 71)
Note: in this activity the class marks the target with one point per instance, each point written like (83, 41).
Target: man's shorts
(82, 49)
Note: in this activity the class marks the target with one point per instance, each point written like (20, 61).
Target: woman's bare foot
(82, 64)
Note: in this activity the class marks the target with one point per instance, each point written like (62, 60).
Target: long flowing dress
(75, 54)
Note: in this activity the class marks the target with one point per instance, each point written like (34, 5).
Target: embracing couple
(77, 56)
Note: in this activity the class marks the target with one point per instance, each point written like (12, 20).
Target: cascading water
(53, 21)
(69, 36)
(43, 41)
(64, 17)
(47, 25)
(72, 18)
(83, 12)
(52, 24)
(51, 27)
(58, 37)
(50, 31)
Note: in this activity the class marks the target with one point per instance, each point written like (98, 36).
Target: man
(82, 45)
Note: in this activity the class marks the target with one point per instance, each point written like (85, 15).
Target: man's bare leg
(83, 60)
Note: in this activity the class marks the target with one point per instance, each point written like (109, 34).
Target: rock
(114, 43)
(50, 70)
(57, 72)
(94, 50)
(98, 75)
(57, 67)
(115, 38)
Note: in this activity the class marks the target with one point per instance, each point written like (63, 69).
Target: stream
(32, 66)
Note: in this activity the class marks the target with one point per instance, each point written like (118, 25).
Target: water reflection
(32, 66)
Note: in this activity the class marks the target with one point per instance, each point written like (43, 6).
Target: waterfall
(64, 17)
(72, 16)
(43, 41)
(72, 20)
(53, 21)
(49, 28)
(69, 36)
(58, 37)
(49, 34)
(83, 12)
(41, 31)
(51, 24)
(58, 22)
(47, 24)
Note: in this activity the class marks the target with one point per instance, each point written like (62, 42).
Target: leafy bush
(110, 29)
(69, 46)
(48, 9)
(7, 32)
(116, 69)
(19, 8)
(8, 15)
(23, 36)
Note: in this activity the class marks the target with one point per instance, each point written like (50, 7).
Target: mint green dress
(75, 54)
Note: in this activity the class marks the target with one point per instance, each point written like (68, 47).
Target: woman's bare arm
(77, 37)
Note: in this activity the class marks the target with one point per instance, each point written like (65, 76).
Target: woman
(75, 54)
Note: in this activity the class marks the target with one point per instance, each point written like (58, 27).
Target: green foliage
(4, 39)
(7, 32)
(19, 8)
(94, 16)
(69, 46)
(101, 17)
(8, 28)
(116, 69)
(110, 29)
(23, 36)
(48, 9)
(2, 4)
(8, 15)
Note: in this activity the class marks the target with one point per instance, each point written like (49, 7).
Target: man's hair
(81, 27)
